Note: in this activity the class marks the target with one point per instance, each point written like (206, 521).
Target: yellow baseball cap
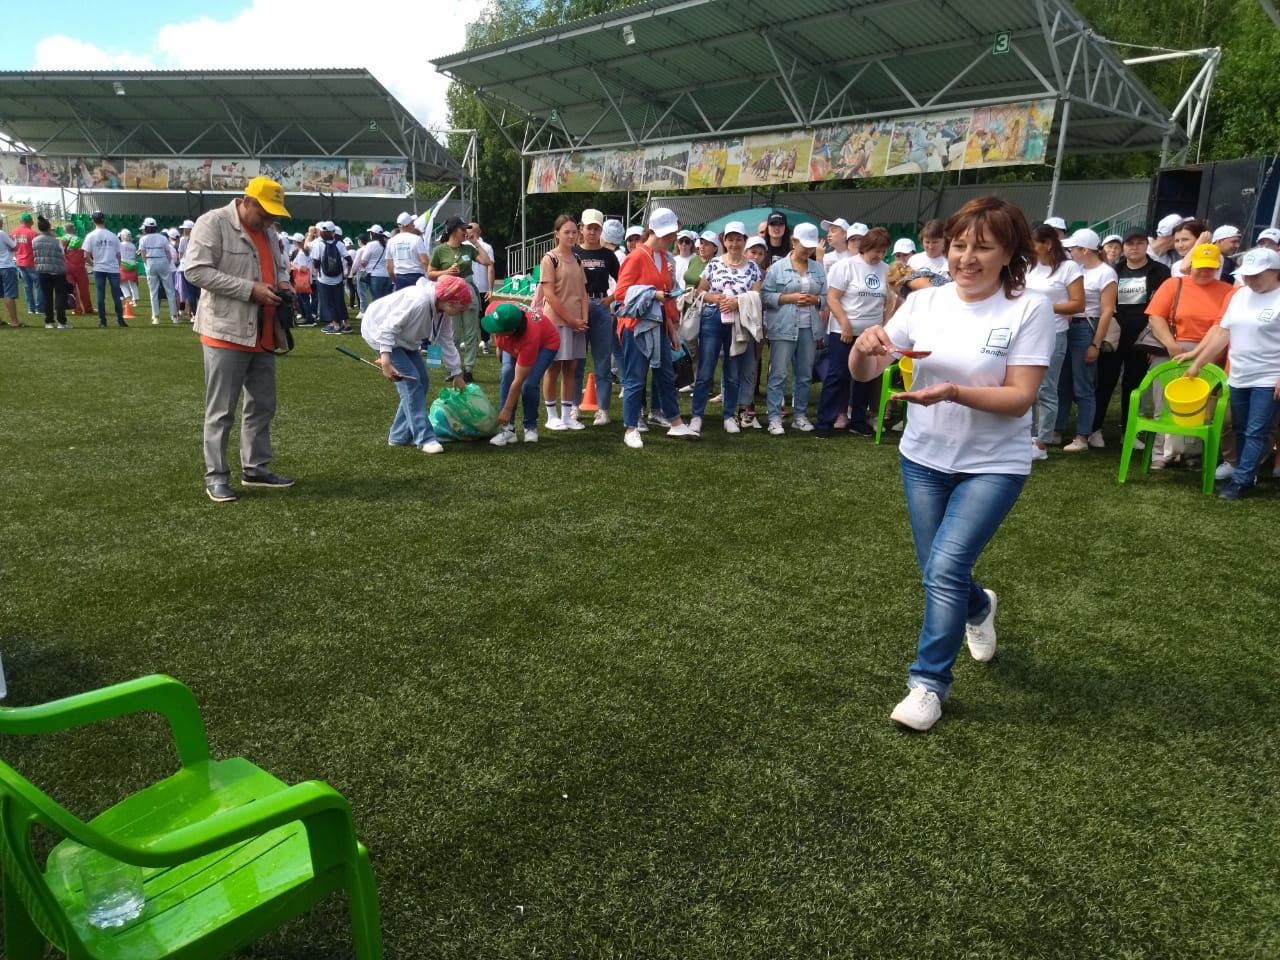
(268, 193)
(1206, 255)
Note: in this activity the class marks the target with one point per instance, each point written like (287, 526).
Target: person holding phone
(794, 291)
(982, 344)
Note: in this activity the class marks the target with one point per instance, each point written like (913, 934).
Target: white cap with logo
(1258, 260)
(858, 229)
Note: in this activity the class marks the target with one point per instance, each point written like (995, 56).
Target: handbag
(1147, 341)
(690, 303)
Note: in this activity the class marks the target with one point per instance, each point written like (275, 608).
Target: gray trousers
(226, 374)
(466, 333)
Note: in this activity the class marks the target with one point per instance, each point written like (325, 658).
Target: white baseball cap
(1112, 238)
(188, 224)
(840, 222)
(735, 226)
(709, 236)
(634, 232)
(328, 227)
(125, 232)
(1056, 222)
(755, 241)
(686, 235)
(1168, 224)
(404, 219)
(592, 216)
(807, 235)
(664, 222)
(612, 232)
(1086, 238)
(297, 238)
(857, 229)
(377, 229)
(1258, 260)
(904, 245)
(149, 221)
(1225, 232)
(172, 232)
(1271, 233)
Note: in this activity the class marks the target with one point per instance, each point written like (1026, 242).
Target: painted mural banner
(1005, 135)
(378, 177)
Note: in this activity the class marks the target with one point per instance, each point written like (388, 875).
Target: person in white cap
(373, 261)
(630, 240)
(1251, 335)
(1228, 240)
(300, 272)
(932, 256)
(1085, 338)
(708, 249)
(904, 249)
(408, 257)
(1060, 280)
(329, 258)
(128, 267)
(857, 231)
(1270, 238)
(160, 260)
(837, 242)
(1058, 224)
(648, 339)
(188, 293)
(600, 268)
(684, 251)
(1160, 248)
(794, 292)
(1112, 249)
(757, 250)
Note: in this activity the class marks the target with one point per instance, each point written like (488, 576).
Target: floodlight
(118, 87)
(628, 35)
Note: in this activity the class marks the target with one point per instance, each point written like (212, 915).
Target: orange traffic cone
(128, 310)
(588, 404)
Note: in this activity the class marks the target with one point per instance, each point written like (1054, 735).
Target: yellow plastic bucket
(905, 368)
(1188, 398)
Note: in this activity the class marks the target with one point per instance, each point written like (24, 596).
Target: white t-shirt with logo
(403, 250)
(1096, 280)
(864, 287)
(971, 344)
(103, 248)
(936, 265)
(1253, 320)
(1053, 286)
(317, 259)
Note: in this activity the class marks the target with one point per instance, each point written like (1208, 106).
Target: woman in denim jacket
(793, 293)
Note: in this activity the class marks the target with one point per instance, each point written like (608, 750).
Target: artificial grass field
(589, 702)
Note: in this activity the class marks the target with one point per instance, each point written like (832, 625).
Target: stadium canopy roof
(666, 70)
(233, 113)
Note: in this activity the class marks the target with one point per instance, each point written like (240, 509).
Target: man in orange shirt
(234, 258)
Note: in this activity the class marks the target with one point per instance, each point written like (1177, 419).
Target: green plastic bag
(466, 414)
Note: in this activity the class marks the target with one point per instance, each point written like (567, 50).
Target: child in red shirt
(528, 345)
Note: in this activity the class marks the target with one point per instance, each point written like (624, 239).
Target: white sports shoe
(602, 419)
(1076, 446)
(642, 426)
(695, 424)
(683, 430)
(504, 436)
(1225, 471)
(573, 423)
(1138, 444)
(632, 439)
(775, 428)
(659, 418)
(433, 446)
(982, 637)
(555, 424)
(802, 424)
(731, 425)
(1096, 441)
(1038, 452)
(155, 323)
(919, 710)
(718, 398)
(530, 435)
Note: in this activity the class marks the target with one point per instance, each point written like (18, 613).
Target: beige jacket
(223, 262)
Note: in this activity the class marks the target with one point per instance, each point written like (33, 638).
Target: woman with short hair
(1085, 337)
(1060, 280)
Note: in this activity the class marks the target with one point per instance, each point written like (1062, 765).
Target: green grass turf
(589, 702)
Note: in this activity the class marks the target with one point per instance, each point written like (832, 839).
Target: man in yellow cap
(234, 258)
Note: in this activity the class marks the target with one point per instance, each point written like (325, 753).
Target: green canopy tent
(754, 216)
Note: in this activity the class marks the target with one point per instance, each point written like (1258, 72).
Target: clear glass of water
(113, 894)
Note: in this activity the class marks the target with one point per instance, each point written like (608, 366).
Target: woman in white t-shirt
(1060, 279)
(725, 278)
(964, 454)
(1085, 337)
(1250, 330)
(857, 296)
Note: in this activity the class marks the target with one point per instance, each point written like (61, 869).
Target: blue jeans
(1080, 384)
(31, 289)
(529, 391)
(379, 287)
(364, 290)
(602, 340)
(714, 339)
(102, 278)
(797, 354)
(411, 424)
(953, 517)
(1047, 395)
(835, 385)
(1253, 411)
(635, 371)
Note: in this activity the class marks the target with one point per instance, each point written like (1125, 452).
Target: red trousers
(79, 277)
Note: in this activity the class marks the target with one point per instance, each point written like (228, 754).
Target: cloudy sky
(394, 41)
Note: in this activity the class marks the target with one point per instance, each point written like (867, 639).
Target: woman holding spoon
(964, 454)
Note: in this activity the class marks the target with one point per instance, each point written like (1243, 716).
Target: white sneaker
(531, 435)
(687, 388)
(602, 419)
(632, 439)
(1159, 463)
(573, 423)
(642, 426)
(683, 430)
(659, 419)
(155, 323)
(1138, 444)
(1096, 441)
(718, 398)
(1038, 452)
(802, 424)
(1076, 446)
(1225, 471)
(919, 710)
(775, 428)
(731, 425)
(749, 421)
(434, 446)
(574, 413)
(555, 424)
(504, 436)
(899, 426)
(696, 425)
(982, 637)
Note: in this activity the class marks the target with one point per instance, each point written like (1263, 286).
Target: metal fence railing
(523, 257)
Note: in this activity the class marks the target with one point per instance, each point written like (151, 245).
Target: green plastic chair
(886, 389)
(228, 852)
(1209, 433)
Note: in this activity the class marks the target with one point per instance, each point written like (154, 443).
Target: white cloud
(395, 43)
